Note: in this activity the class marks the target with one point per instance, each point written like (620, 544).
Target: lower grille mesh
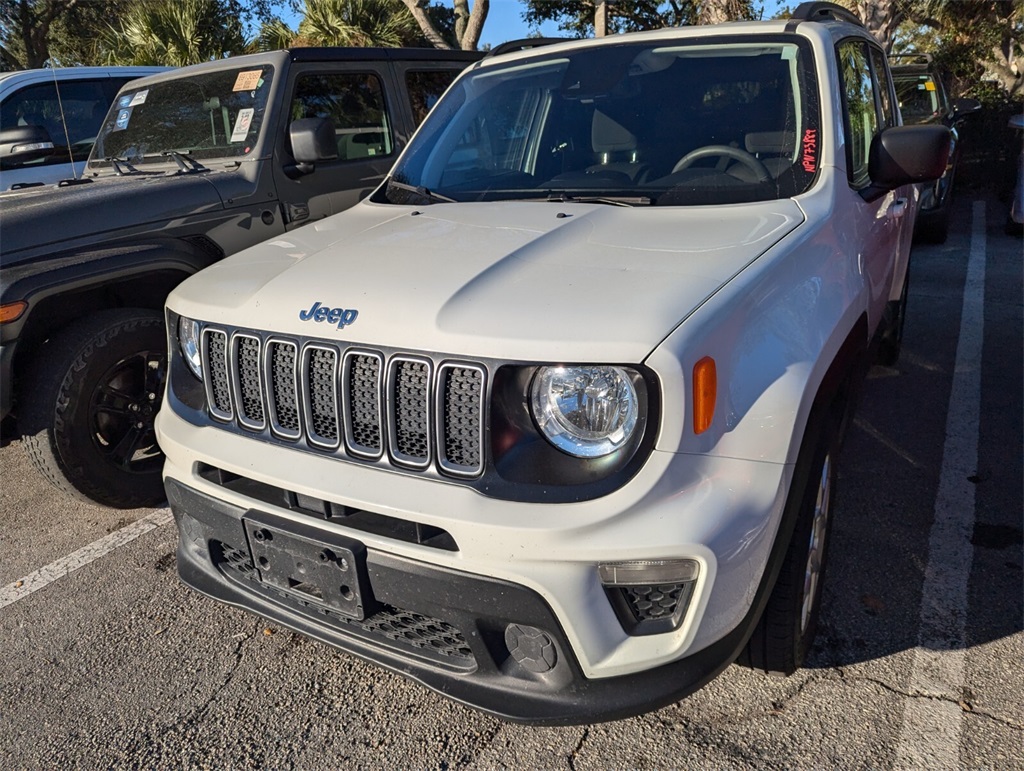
(413, 630)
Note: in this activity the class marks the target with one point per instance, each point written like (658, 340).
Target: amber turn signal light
(12, 311)
(705, 391)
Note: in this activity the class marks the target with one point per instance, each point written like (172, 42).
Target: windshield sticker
(139, 98)
(242, 124)
(929, 86)
(810, 143)
(123, 117)
(248, 80)
(125, 100)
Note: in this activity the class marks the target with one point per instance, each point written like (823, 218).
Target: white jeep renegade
(549, 422)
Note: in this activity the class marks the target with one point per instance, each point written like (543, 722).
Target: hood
(51, 216)
(523, 281)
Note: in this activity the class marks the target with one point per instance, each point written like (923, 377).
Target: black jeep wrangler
(189, 167)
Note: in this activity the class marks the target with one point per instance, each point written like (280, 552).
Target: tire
(88, 408)
(891, 342)
(786, 630)
(933, 227)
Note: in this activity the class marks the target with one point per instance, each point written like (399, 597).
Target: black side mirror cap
(21, 144)
(902, 155)
(964, 107)
(313, 140)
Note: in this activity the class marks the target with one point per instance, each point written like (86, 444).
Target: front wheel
(89, 405)
(786, 630)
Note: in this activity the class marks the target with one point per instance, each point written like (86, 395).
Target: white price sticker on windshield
(242, 124)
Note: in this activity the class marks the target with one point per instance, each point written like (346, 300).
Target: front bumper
(531, 567)
(445, 629)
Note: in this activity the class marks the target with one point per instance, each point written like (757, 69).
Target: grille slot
(249, 383)
(460, 418)
(409, 402)
(284, 388)
(218, 390)
(363, 413)
(364, 405)
(320, 377)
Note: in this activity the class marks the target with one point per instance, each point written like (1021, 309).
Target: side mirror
(905, 154)
(964, 107)
(21, 144)
(313, 140)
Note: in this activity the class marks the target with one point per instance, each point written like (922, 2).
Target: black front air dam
(467, 658)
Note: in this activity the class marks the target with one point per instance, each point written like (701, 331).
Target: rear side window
(861, 113)
(425, 88)
(354, 103)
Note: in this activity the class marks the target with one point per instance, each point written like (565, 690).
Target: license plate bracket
(315, 566)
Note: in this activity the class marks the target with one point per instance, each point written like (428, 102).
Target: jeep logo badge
(340, 316)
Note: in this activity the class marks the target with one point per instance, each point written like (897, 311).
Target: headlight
(585, 411)
(191, 350)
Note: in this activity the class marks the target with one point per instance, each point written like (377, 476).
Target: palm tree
(176, 34)
(357, 23)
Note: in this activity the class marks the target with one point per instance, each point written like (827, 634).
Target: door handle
(898, 208)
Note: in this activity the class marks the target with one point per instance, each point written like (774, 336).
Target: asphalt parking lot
(111, 662)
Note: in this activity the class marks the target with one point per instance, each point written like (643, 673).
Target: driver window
(354, 103)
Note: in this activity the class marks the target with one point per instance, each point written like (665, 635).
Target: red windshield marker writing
(810, 142)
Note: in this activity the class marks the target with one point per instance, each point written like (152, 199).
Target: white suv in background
(50, 117)
(549, 422)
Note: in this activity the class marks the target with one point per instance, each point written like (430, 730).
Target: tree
(185, 32)
(356, 23)
(469, 23)
(577, 16)
(25, 29)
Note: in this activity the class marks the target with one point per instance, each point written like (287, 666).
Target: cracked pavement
(117, 664)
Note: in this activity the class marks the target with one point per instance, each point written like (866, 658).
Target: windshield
(666, 123)
(918, 97)
(206, 115)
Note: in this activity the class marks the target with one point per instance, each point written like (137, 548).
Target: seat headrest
(608, 136)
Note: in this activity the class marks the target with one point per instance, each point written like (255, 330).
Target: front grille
(349, 402)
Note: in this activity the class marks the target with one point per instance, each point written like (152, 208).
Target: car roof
(72, 73)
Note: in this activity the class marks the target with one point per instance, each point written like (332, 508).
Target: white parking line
(35, 581)
(933, 719)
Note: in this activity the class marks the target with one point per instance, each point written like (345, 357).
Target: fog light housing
(650, 596)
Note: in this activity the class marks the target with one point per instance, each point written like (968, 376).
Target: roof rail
(526, 43)
(912, 58)
(824, 12)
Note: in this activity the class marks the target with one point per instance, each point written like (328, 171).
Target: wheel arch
(71, 287)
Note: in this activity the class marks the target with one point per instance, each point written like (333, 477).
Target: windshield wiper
(121, 166)
(611, 200)
(420, 190)
(186, 163)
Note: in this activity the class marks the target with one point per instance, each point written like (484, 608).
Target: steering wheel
(726, 151)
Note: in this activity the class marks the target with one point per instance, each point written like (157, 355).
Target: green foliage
(577, 16)
(357, 23)
(385, 23)
(176, 34)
